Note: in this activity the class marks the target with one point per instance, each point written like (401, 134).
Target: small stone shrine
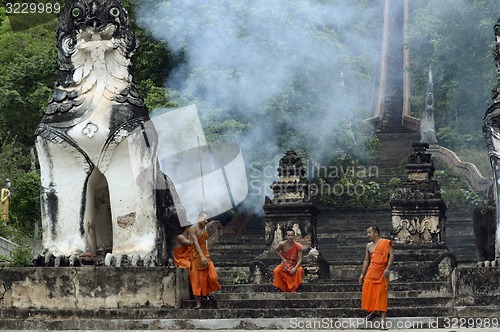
(418, 222)
(291, 208)
(418, 211)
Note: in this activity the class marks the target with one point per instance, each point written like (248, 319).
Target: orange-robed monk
(288, 275)
(182, 249)
(202, 275)
(379, 256)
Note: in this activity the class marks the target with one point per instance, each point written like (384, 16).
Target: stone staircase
(341, 240)
(460, 238)
(335, 301)
(392, 154)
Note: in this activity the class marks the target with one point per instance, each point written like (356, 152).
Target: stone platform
(148, 299)
(65, 289)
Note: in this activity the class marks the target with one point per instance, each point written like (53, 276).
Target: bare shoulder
(192, 230)
(281, 244)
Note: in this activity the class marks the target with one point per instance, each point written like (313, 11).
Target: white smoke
(314, 57)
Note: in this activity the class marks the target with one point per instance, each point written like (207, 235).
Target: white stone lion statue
(102, 190)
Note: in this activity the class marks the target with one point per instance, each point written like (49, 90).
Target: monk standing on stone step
(202, 275)
(288, 275)
(374, 276)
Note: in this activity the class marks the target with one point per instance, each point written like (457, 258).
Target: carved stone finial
(293, 185)
(420, 166)
(427, 126)
(291, 165)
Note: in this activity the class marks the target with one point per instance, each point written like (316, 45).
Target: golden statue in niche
(5, 201)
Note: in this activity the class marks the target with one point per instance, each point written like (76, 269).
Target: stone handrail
(6, 247)
(382, 79)
(215, 231)
(471, 173)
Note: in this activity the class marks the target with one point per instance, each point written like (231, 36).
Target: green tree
(455, 38)
(27, 74)
(26, 203)
(2, 15)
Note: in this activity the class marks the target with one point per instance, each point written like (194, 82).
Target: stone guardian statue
(491, 131)
(101, 188)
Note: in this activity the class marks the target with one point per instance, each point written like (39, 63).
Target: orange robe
(182, 257)
(282, 277)
(204, 279)
(375, 286)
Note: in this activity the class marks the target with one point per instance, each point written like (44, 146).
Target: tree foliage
(455, 38)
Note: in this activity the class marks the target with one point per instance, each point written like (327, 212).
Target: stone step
(299, 296)
(231, 270)
(233, 259)
(423, 323)
(149, 318)
(241, 239)
(343, 252)
(454, 232)
(324, 302)
(346, 271)
(352, 224)
(241, 248)
(327, 286)
(357, 230)
(356, 213)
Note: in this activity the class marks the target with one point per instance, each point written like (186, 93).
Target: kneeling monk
(202, 275)
(288, 275)
(182, 249)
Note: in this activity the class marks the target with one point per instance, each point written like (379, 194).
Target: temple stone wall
(88, 288)
(478, 286)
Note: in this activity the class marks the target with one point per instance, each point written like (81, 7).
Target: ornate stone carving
(418, 211)
(90, 129)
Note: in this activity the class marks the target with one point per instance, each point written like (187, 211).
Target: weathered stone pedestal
(418, 211)
(418, 220)
(92, 288)
(291, 209)
(300, 217)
